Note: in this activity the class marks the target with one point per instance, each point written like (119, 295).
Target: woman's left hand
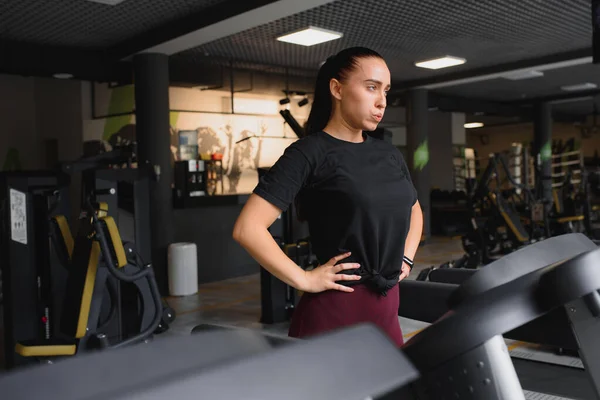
(405, 271)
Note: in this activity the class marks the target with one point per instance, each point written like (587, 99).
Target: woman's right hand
(325, 277)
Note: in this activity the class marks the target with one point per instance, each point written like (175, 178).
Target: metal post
(152, 133)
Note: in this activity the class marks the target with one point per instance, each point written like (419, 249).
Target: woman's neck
(340, 129)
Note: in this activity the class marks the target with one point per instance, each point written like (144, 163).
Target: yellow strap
(88, 290)
(557, 203)
(45, 351)
(102, 209)
(65, 231)
(571, 219)
(115, 238)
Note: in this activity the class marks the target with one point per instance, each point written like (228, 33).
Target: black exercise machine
(97, 253)
(36, 248)
(33, 276)
(559, 327)
(126, 196)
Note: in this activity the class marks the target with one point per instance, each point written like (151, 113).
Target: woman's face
(362, 95)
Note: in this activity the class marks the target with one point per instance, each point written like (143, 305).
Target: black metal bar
(114, 115)
(222, 112)
(293, 123)
(231, 89)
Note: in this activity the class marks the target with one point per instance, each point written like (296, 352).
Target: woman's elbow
(238, 230)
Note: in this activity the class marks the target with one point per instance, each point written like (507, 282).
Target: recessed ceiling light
(580, 86)
(443, 62)
(471, 125)
(520, 75)
(310, 36)
(108, 2)
(63, 75)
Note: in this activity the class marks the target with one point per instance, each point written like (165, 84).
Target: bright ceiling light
(580, 86)
(471, 125)
(310, 36)
(443, 62)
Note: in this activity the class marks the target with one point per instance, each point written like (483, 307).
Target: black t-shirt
(354, 196)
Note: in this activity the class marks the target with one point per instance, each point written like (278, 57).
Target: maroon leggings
(325, 311)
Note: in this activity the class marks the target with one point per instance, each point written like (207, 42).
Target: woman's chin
(370, 126)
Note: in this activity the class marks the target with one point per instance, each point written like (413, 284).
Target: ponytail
(336, 67)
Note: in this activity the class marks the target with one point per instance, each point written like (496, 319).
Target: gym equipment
(505, 219)
(495, 227)
(33, 276)
(98, 251)
(477, 362)
(126, 196)
(203, 365)
(558, 327)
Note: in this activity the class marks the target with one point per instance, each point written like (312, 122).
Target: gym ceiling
(548, 39)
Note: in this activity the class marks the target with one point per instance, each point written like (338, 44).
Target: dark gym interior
(133, 132)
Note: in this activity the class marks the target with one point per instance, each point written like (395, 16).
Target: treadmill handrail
(521, 262)
(202, 366)
(563, 284)
(504, 308)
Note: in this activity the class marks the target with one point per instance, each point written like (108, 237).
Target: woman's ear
(335, 87)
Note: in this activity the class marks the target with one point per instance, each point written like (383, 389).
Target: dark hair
(338, 67)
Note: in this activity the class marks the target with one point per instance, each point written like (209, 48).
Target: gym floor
(236, 302)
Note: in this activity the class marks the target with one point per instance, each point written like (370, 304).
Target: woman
(357, 197)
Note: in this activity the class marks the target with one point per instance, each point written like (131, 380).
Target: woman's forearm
(261, 246)
(414, 233)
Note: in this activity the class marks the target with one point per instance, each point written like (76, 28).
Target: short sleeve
(408, 177)
(280, 185)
